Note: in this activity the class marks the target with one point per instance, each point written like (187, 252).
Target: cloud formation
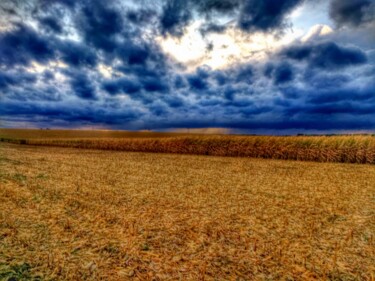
(250, 15)
(326, 55)
(352, 12)
(74, 63)
(22, 45)
(265, 15)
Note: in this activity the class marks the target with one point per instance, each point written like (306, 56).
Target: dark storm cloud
(158, 109)
(153, 64)
(220, 77)
(99, 24)
(9, 79)
(68, 115)
(82, 85)
(31, 109)
(176, 15)
(244, 73)
(342, 92)
(352, 12)
(30, 93)
(343, 107)
(335, 110)
(121, 86)
(131, 53)
(153, 84)
(219, 6)
(265, 15)
(326, 55)
(205, 77)
(141, 16)
(325, 81)
(174, 101)
(179, 82)
(51, 24)
(250, 15)
(340, 108)
(76, 54)
(22, 45)
(229, 93)
(197, 83)
(281, 73)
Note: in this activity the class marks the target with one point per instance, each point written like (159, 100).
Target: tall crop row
(345, 149)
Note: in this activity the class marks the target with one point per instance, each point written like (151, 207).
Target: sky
(249, 66)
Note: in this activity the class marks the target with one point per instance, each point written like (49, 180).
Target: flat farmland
(79, 214)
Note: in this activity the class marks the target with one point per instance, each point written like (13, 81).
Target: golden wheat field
(79, 214)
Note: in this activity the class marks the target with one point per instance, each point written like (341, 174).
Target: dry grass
(69, 214)
(344, 149)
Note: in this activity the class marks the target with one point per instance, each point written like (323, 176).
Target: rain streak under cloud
(253, 66)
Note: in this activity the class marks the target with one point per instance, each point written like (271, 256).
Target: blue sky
(264, 67)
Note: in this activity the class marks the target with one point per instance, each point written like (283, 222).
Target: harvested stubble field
(76, 214)
(343, 149)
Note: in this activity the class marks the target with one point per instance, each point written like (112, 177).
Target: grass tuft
(18, 272)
